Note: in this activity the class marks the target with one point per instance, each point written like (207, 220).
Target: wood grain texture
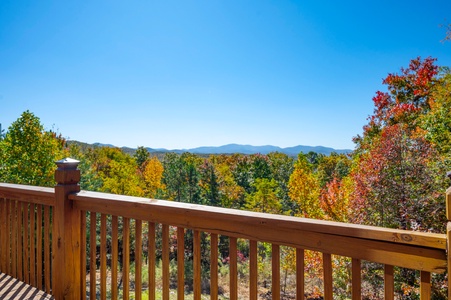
(300, 276)
(356, 279)
(389, 286)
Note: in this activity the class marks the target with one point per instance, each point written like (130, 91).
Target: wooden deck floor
(11, 288)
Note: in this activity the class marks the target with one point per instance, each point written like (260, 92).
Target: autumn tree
(28, 152)
(304, 188)
(118, 171)
(153, 175)
(399, 162)
(394, 178)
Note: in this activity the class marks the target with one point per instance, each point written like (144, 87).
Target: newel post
(448, 234)
(66, 233)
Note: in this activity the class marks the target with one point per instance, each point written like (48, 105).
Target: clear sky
(183, 74)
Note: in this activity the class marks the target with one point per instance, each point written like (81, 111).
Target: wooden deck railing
(37, 224)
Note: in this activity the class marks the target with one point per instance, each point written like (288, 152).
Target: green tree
(28, 152)
(282, 166)
(209, 183)
(264, 199)
(141, 156)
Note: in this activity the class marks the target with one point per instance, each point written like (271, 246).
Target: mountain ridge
(236, 148)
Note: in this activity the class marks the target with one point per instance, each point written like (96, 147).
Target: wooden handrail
(415, 250)
(28, 193)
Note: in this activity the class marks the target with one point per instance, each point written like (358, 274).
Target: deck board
(12, 288)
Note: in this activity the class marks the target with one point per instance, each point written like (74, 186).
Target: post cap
(67, 163)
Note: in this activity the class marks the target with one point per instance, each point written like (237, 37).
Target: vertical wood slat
(328, 283)
(300, 276)
(26, 254)
(33, 245)
(39, 246)
(425, 285)
(214, 266)
(8, 236)
(356, 279)
(389, 282)
(180, 263)
(83, 248)
(103, 243)
(47, 246)
(253, 270)
(152, 260)
(165, 260)
(196, 265)
(3, 233)
(138, 259)
(275, 266)
(92, 255)
(233, 268)
(126, 258)
(14, 249)
(19, 241)
(114, 256)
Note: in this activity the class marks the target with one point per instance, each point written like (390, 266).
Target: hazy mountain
(249, 149)
(234, 148)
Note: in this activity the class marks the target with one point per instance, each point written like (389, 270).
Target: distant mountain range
(235, 148)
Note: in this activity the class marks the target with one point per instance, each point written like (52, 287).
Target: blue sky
(183, 74)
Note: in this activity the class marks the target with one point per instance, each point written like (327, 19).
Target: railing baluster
(3, 233)
(253, 270)
(138, 259)
(103, 243)
(126, 258)
(151, 248)
(275, 266)
(83, 248)
(327, 265)
(47, 247)
(25, 243)
(165, 260)
(180, 263)
(389, 282)
(19, 241)
(93, 255)
(39, 246)
(425, 285)
(214, 266)
(196, 265)
(8, 236)
(33, 245)
(233, 268)
(114, 256)
(356, 279)
(300, 277)
(14, 250)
